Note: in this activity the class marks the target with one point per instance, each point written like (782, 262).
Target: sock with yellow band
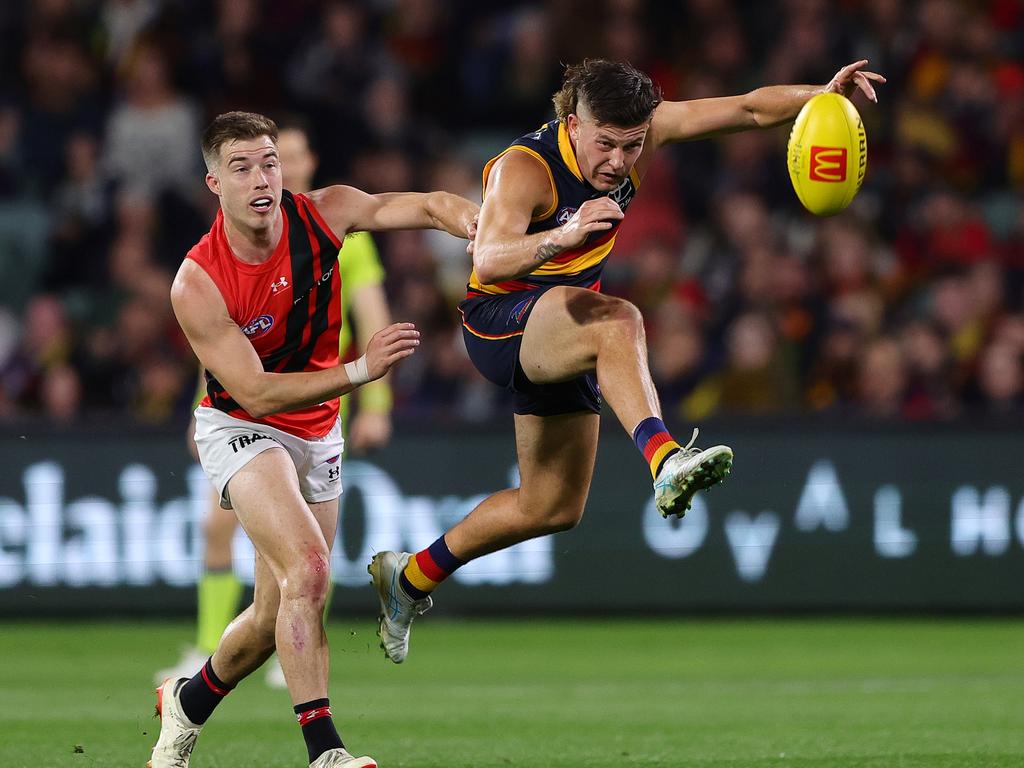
(655, 443)
(427, 569)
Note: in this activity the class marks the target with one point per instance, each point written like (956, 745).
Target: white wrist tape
(357, 371)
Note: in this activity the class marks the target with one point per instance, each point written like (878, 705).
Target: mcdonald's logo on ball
(827, 154)
(828, 164)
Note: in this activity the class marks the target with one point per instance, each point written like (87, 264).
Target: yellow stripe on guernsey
(417, 578)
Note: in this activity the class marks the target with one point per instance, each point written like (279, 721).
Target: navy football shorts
(493, 329)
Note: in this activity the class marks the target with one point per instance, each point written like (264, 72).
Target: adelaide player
(535, 322)
(259, 301)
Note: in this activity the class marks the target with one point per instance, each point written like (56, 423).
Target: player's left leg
(296, 543)
(556, 463)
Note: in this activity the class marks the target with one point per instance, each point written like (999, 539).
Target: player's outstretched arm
(348, 209)
(761, 108)
(223, 350)
(518, 188)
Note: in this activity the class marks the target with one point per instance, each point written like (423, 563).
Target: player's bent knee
(566, 519)
(626, 315)
(308, 578)
(611, 318)
(556, 519)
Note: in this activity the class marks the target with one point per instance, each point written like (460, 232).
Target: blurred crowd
(909, 305)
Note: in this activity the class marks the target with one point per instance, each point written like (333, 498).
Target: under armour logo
(280, 284)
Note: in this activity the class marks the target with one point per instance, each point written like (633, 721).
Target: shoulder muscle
(519, 183)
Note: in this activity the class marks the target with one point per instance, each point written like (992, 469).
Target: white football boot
(687, 471)
(192, 660)
(177, 733)
(340, 758)
(397, 609)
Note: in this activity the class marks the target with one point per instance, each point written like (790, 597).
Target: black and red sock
(318, 727)
(201, 695)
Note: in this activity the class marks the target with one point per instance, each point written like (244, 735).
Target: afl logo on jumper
(828, 164)
(258, 327)
(564, 214)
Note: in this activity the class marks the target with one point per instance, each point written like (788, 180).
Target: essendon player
(259, 301)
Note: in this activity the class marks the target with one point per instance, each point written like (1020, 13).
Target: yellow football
(828, 154)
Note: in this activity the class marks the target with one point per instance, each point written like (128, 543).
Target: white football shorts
(227, 444)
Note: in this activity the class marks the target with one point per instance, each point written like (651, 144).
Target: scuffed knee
(309, 578)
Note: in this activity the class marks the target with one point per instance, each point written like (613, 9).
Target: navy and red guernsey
(289, 307)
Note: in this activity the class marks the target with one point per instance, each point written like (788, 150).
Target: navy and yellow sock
(654, 442)
(427, 569)
(201, 695)
(318, 729)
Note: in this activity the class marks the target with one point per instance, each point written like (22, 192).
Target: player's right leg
(293, 535)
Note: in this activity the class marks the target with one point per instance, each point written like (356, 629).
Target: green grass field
(802, 692)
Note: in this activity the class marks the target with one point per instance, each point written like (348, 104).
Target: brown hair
(614, 92)
(231, 126)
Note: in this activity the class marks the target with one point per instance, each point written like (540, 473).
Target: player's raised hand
(593, 216)
(854, 76)
(389, 345)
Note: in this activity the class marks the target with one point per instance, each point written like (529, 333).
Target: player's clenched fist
(593, 216)
(388, 346)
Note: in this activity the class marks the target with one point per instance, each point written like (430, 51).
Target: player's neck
(253, 246)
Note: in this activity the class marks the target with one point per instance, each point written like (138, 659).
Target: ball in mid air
(827, 154)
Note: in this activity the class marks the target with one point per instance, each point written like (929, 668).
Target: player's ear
(572, 123)
(213, 183)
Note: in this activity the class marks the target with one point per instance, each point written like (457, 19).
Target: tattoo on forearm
(545, 251)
